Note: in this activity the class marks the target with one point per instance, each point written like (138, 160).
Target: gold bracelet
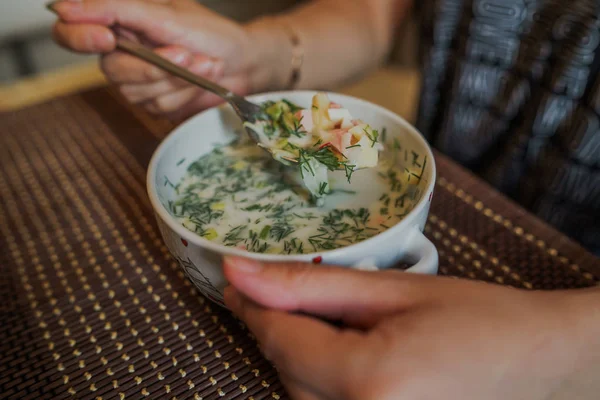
(297, 57)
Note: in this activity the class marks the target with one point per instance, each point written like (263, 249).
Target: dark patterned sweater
(511, 90)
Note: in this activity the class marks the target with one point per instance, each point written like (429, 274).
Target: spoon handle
(148, 55)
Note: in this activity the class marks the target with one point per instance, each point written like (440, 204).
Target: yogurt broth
(240, 197)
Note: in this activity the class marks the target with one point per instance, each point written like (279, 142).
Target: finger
(295, 390)
(207, 99)
(183, 113)
(84, 38)
(201, 102)
(125, 33)
(358, 298)
(121, 67)
(310, 352)
(171, 102)
(139, 92)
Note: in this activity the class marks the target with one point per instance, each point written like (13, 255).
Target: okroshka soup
(217, 193)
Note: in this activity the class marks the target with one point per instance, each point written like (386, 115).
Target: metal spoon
(246, 110)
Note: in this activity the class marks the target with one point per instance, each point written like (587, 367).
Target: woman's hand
(407, 336)
(340, 40)
(184, 32)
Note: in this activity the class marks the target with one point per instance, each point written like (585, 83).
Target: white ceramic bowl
(201, 259)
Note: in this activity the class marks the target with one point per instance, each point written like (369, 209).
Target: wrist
(581, 322)
(269, 61)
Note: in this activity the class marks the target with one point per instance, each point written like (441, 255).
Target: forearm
(340, 39)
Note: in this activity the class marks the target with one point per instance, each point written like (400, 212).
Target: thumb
(138, 15)
(358, 298)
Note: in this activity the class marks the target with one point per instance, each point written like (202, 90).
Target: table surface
(94, 307)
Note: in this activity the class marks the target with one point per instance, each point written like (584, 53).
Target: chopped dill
(372, 137)
(342, 191)
(349, 169)
(322, 188)
(169, 183)
(239, 197)
(415, 159)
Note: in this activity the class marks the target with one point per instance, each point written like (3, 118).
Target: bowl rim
(197, 240)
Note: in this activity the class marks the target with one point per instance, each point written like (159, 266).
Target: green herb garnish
(372, 137)
(322, 188)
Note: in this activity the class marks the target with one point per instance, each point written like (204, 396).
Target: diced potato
(320, 112)
(341, 116)
(359, 148)
(306, 119)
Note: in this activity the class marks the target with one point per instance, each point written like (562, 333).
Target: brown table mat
(92, 306)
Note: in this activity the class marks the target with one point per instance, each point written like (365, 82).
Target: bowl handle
(421, 252)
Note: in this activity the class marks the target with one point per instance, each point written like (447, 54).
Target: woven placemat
(92, 306)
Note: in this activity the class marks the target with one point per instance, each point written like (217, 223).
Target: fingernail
(218, 69)
(52, 6)
(181, 57)
(205, 67)
(104, 41)
(176, 55)
(244, 265)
